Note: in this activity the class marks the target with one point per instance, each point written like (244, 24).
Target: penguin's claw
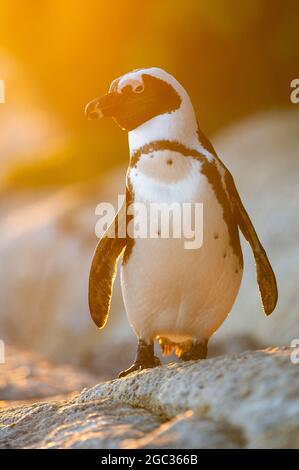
(139, 366)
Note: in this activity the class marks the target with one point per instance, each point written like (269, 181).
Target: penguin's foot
(145, 359)
(138, 366)
(197, 351)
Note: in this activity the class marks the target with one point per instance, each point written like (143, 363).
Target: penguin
(172, 295)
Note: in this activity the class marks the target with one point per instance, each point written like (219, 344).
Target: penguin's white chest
(169, 290)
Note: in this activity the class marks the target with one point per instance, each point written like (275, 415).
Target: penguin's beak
(106, 106)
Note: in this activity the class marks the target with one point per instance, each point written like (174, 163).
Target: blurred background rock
(236, 61)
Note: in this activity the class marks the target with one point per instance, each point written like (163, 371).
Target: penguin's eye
(138, 89)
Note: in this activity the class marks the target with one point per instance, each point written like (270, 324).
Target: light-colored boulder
(189, 431)
(250, 400)
(255, 392)
(96, 425)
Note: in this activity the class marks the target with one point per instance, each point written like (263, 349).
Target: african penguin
(177, 296)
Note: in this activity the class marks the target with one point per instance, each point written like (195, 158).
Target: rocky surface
(249, 400)
(28, 376)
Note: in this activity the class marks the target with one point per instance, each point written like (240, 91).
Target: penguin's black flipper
(103, 269)
(265, 275)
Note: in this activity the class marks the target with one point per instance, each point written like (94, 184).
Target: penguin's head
(138, 97)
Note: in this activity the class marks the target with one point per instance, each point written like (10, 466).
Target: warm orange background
(234, 58)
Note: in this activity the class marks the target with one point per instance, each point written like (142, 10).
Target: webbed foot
(145, 359)
(197, 351)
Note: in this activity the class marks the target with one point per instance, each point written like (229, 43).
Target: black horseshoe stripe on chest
(210, 170)
(157, 145)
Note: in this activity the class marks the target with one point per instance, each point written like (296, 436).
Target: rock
(189, 431)
(28, 376)
(255, 392)
(249, 400)
(102, 424)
